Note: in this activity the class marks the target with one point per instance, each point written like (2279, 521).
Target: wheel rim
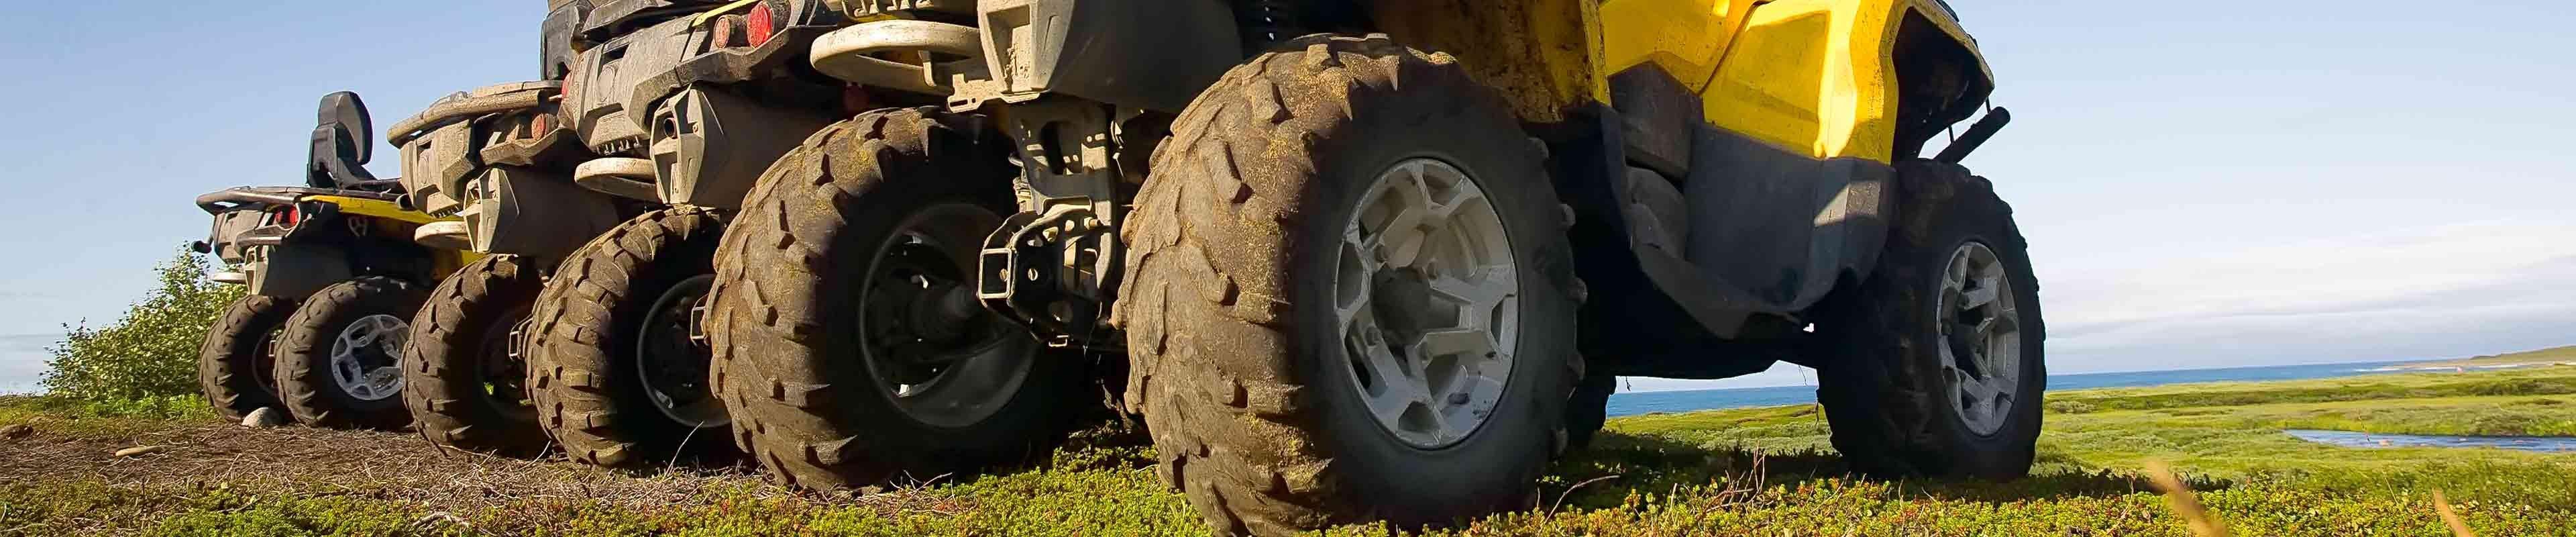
(941, 357)
(504, 371)
(1980, 337)
(671, 362)
(362, 358)
(1426, 298)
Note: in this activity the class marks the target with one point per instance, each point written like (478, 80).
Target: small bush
(2070, 407)
(150, 352)
(2518, 387)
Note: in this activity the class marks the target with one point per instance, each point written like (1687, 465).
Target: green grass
(1763, 471)
(2508, 382)
(2558, 355)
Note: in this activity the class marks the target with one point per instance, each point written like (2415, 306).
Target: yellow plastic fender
(445, 261)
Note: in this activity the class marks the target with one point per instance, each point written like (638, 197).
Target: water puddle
(2543, 444)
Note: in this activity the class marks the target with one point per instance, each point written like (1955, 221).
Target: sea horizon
(1665, 401)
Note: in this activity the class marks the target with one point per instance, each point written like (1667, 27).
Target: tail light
(286, 218)
(761, 24)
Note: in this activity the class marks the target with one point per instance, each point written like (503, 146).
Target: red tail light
(287, 218)
(761, 24)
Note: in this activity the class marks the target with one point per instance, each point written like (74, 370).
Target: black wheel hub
(922, 313)
(504, 371)
(671, 362)
(936, 353)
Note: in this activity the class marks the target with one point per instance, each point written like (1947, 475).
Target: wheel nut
(1459, 398)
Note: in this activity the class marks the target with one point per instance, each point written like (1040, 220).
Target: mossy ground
(1762, 471)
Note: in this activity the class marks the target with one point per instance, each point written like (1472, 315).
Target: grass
(1762, 471)
(2558, 355)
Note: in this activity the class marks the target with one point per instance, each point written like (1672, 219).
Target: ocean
(1630, 404)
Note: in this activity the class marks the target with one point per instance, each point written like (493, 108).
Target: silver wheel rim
(942, 358)
(1426, 297)
(1980, 337)
(672, 364)
(362, 358)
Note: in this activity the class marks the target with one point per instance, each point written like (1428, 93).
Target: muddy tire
(605, 322)
(1235, 258)
(237, 365)
(806, 315)
(1907, 341)
(1589, 410)
(339, 356)
(465, 388)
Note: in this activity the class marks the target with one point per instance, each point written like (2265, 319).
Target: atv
(498, 161)
(334, 277)
(667, 111)
(1376, 260)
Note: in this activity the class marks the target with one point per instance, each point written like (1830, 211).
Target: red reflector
(287, 217)
(761, 24)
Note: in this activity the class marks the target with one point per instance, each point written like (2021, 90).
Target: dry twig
(2442, 505)
(2185, 504)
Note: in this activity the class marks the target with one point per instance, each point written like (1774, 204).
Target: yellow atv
(1376, 260)
(334, 278)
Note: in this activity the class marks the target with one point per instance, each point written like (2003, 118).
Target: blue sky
(2294, 181)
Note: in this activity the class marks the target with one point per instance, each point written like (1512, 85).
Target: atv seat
(343, 142)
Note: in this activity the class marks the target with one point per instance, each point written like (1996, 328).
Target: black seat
(343, 141)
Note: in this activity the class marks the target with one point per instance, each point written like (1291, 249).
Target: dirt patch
(392, 466)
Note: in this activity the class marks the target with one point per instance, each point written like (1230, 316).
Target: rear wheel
(237, 366)
(848, 340)
(339, 357)
(617, 376)
(1937, 366)
(1589, 410)
(468, 386)
(1374, 323)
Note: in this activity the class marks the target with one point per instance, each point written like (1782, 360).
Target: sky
(2282, 182)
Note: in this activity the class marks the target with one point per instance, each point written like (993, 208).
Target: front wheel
(616, 373)
(339, 356)
(1349, 300)
(468, 386)
(237, 366)
(1936, 365)
(847, 338)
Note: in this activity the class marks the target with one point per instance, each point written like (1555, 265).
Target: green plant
(149, 352)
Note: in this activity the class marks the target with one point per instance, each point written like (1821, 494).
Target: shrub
(2070, 407)
(150, 352)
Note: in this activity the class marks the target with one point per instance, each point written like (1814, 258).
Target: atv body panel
(699, 109)
(289, 242)
(1727, 160)
(496, 160)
